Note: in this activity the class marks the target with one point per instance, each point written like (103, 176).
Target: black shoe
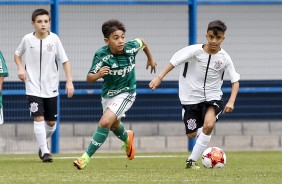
(191, 164)
(40, 154)
(47, 158)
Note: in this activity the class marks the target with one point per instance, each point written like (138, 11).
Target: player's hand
(104, 71)
(21, 75)
(69, 89)
(155, 83)
(229, 107)
(153, 65)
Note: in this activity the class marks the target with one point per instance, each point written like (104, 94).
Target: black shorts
(194, 115)
(46, 107)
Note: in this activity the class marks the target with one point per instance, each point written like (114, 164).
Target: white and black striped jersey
(201, 74)
(41, 58)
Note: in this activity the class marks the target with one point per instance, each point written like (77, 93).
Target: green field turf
(163, 168)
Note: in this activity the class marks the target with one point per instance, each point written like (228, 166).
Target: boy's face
(214, 40)
(116, 42)
(41, 24)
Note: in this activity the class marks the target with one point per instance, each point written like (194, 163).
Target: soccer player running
(115, 63)
(3, 73)
(42, 51)
(200, 80)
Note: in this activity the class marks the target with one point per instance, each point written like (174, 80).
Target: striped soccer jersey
(121, 77)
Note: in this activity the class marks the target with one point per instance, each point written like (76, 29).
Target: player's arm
(157, 80)
(234, 78)
(151, 62)
(97, 70)
(230, 104)
(69, 84)
(93, 77)
(21, 70)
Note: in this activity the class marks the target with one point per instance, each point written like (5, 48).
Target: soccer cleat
(191, 164)
(40, 153)
(81, 162)
(129, 145)
(47, 158)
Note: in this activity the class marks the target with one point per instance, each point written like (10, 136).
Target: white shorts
(1, 116)
(119, 104)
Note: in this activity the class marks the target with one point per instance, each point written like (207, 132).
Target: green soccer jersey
(3, 67)
(121, 77)
(3, 73)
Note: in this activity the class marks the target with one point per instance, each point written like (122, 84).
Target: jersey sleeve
(61, 55)
(234, 76)
(140, 42)
(133, 46)
(183, 55)
(3, 67)
(21, 48)
(97, 63)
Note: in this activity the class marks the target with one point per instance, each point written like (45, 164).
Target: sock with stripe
(121, 133)
(99, 138)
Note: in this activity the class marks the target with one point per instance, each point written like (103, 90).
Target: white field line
(110, 157)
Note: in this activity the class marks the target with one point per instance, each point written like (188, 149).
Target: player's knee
(191, 135)
(208, 127)
(38, 118)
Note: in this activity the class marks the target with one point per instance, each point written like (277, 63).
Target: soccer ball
(213, 157)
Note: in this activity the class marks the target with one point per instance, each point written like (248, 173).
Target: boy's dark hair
(111, 26)
(39, 12)
(217, 26)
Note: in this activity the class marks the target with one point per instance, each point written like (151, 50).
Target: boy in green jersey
(3, 74)
(115, 63)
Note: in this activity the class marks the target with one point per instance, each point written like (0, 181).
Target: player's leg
(113, 110)
(99, 137)
(125, 101)
(205, 136)
(37, 111)
(1, 105)
(50, 115)
(1, 110)
(50, 118)
(192, 120)
(211, 111)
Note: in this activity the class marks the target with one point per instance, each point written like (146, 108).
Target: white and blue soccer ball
(213, 157)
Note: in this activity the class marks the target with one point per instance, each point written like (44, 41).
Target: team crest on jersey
(217, 64)
(191, 124)
(49, 48)
(33, 107)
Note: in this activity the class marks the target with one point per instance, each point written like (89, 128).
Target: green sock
(99, 138)
(121, 133)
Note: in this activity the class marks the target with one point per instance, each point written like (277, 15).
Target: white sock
(1, 116)
(199, 131)
(49, 130)
(201, 143)
(40, 134)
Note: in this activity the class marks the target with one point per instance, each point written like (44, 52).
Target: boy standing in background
(42, 52)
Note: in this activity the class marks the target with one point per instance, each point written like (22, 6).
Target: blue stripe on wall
(250, 105)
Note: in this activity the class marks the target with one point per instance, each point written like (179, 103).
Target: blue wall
(253, 105)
